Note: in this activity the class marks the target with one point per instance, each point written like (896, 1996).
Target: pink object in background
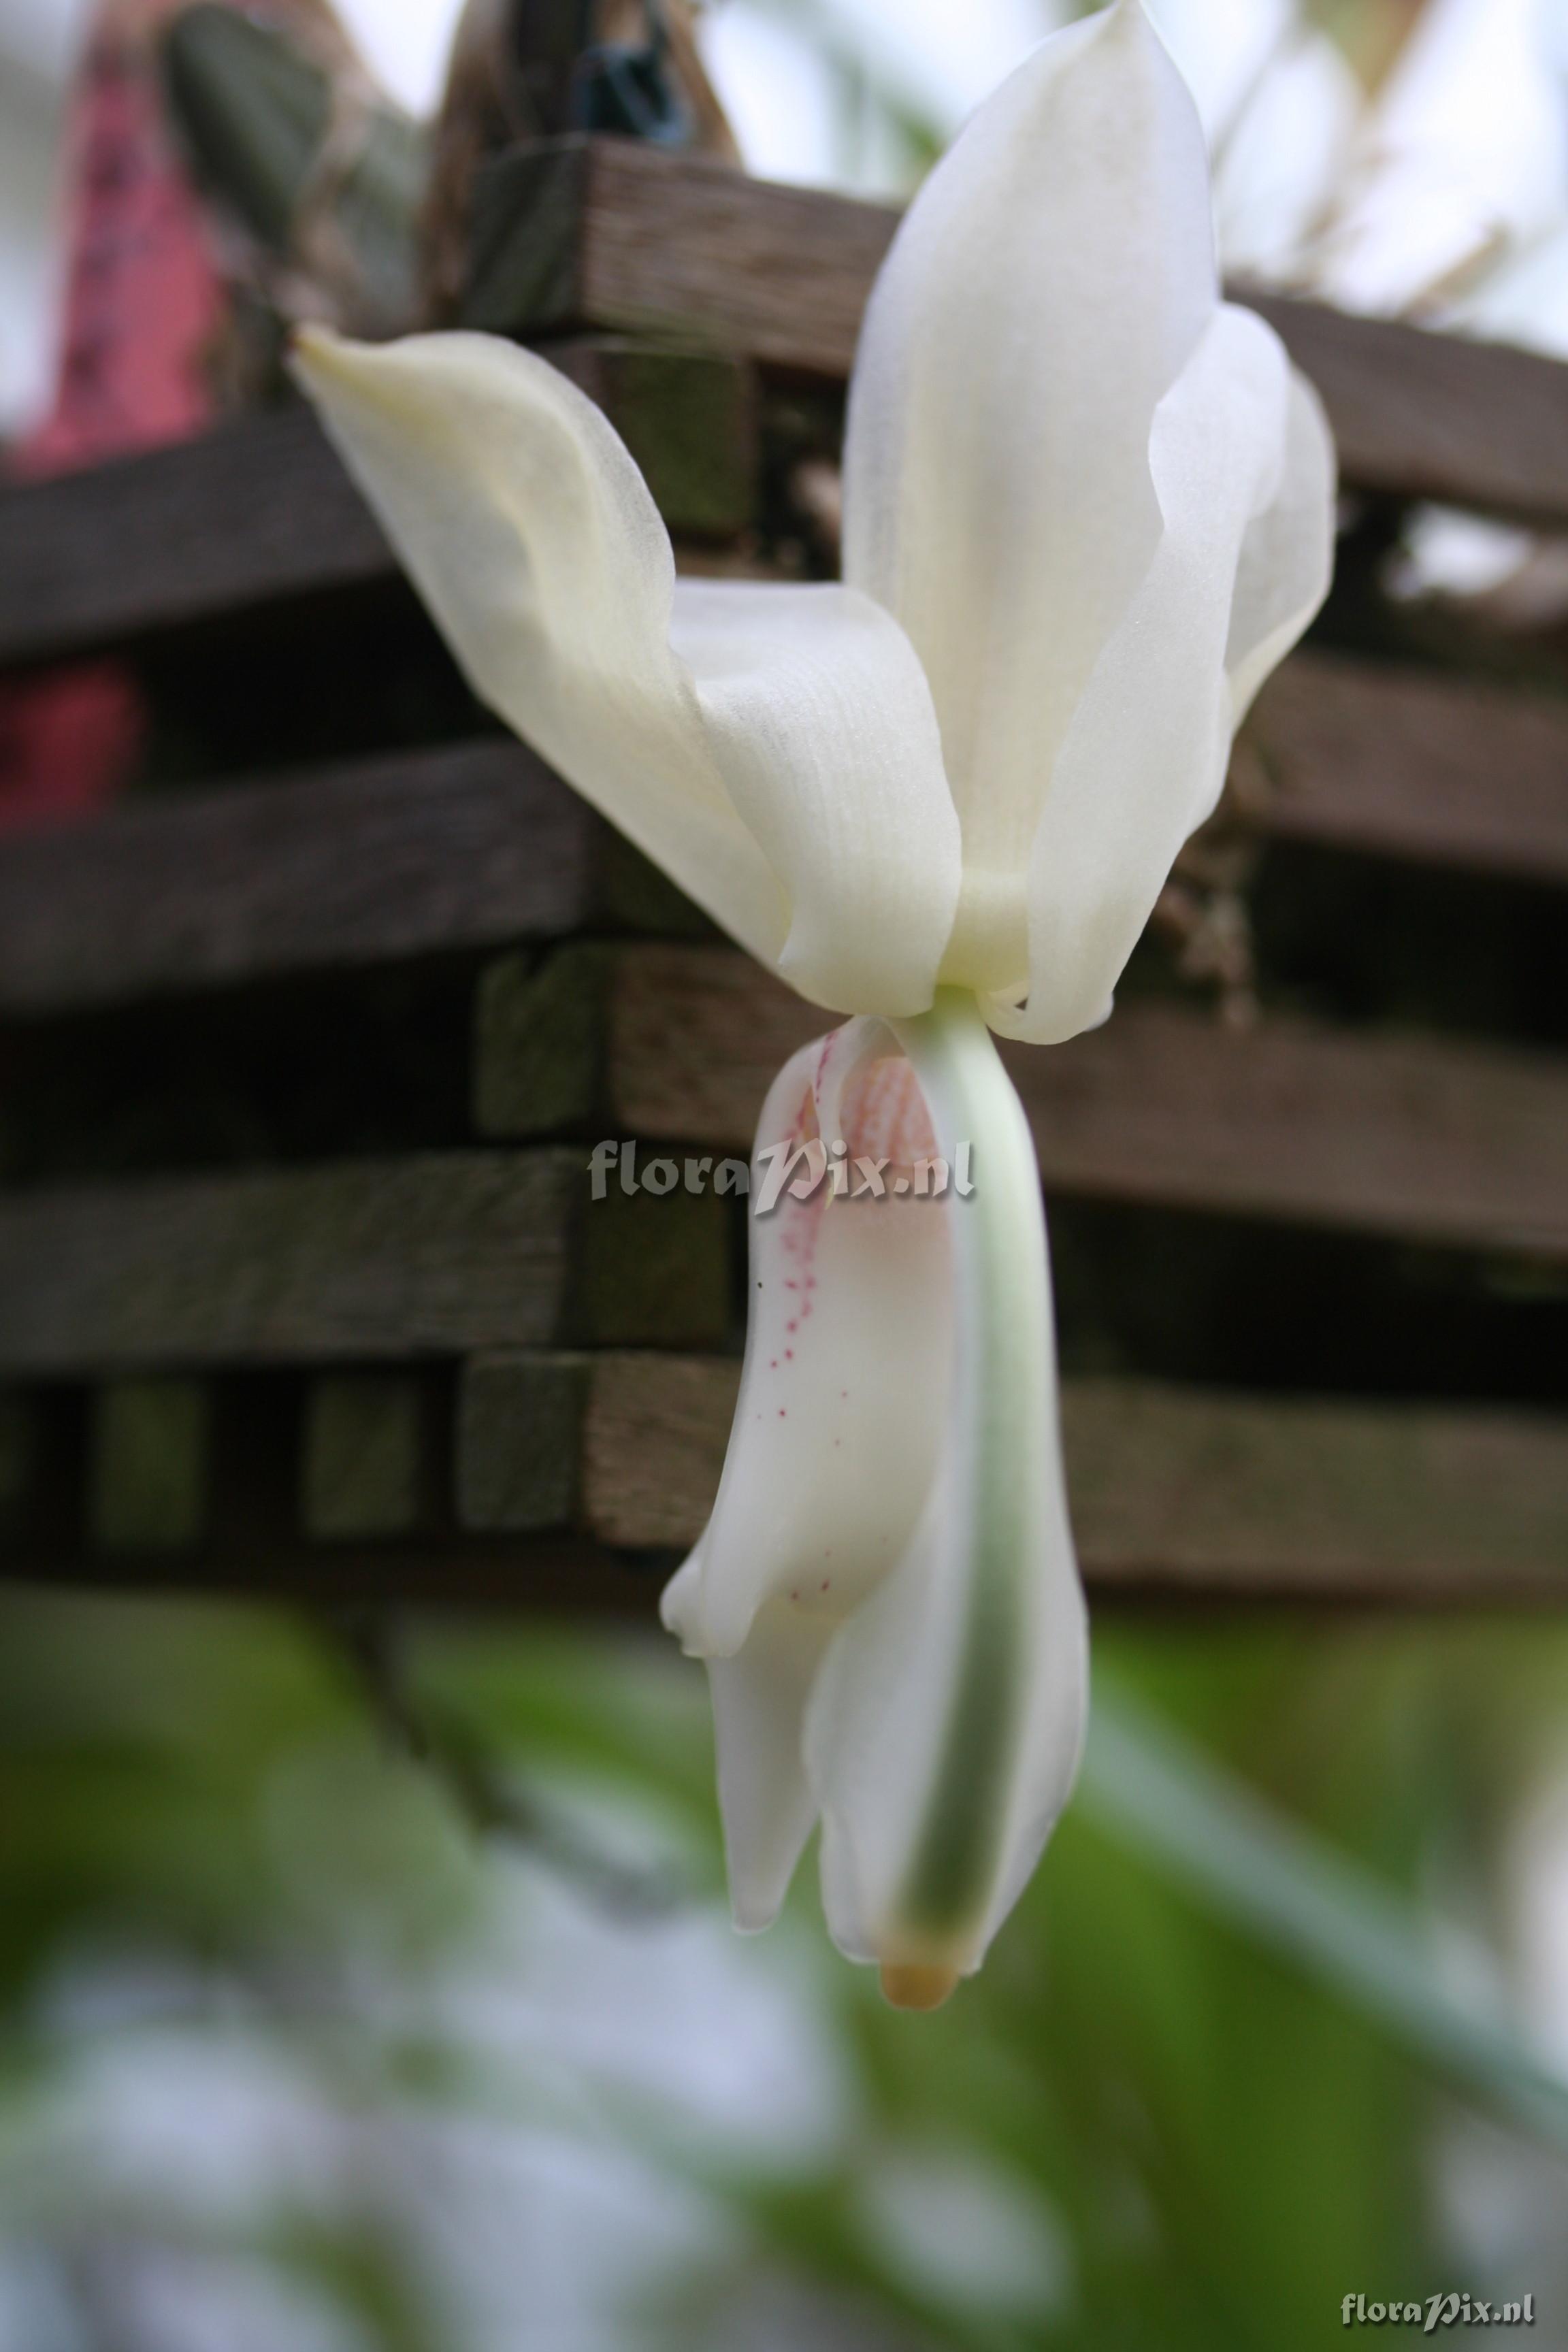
(145, 304)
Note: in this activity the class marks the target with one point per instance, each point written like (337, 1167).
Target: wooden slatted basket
(300, 1047)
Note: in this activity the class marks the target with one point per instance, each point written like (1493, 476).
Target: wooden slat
(615, 234)
(1408, 1135)
(1409, 763)
(566, 1465)
(1180, 1489)
(466, 846)
(1422, 416)
(476, 843)
(584, 232)
(620, 237)
(261, 511)
(257, 510)
(437, 1254)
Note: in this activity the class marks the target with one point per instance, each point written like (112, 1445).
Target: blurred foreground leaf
(1290, 1889)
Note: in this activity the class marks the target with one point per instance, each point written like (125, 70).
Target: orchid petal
(1287, 553)
(1145, 758)
(536, 544)
(1044, 291)
(821, 721)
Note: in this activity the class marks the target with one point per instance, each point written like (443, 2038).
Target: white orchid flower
(1087, 509)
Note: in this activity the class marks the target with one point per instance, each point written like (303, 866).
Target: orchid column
(1088, 507)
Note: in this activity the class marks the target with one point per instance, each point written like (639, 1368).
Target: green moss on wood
(363, 1468)
(520, 1442)
(148, 1465)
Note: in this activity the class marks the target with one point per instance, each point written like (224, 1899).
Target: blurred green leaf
(1290, 1889)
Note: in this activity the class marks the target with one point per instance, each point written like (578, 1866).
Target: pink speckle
(773, 1363)
(825, 1583)
(791, 1327)
(844, 1392)
(782, 1414)
(789, 1355)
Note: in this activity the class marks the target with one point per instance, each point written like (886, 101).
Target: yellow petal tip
(908, 1985)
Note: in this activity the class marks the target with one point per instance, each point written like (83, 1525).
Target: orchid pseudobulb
(1088, 507)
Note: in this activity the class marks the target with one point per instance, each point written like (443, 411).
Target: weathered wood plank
(1417, 1137)
(614, 234)
(1190, 1490)
(1178, 1489)
(1179, 1494)
(578, 233)
(476, 843)
(254, 511)
(439, 1254)
(260, 511)
(565, 1464)
(1422, 416)
(623, 237)
(470, 846)
(1410, 763)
